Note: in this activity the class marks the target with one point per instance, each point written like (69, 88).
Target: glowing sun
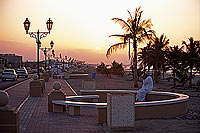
(97, 48)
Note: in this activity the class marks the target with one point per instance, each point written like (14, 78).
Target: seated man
(146, 87)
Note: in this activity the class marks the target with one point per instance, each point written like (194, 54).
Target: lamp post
(38, 35)
(45, 50)
(62, 60)
(49, 56)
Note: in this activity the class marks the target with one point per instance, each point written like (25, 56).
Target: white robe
(146, 88)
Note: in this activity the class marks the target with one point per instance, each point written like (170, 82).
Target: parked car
(9, 74)
(22, 72)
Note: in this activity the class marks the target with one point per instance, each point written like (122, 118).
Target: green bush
(117, 69)
(101, 68)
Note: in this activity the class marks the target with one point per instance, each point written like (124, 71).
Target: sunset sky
(81, 28)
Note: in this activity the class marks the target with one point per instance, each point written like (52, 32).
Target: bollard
(54, 75)
(66, 75)
(36, 87)
(9, 118)
(56, 94)
(120, 111)
(43, 84)
(45, 76)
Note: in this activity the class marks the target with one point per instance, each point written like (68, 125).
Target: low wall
(77, 76)
(9, 120)
(157, 104)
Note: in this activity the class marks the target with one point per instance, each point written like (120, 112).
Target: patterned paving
(35, 118)
(18, 93)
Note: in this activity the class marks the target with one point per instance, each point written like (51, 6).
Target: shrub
(101, 68)
(117, 69)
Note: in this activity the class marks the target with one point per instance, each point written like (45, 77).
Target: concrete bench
(166, 104)
(89, 98)
(74, 107)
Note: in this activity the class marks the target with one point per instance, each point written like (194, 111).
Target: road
(8, 83)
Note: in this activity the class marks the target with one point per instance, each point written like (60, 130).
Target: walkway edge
(20, 106)
(71, 88)
(16, 84)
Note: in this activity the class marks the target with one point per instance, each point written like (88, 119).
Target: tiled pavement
(18, 93)
(35, 118)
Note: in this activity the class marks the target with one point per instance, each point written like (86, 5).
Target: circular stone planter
(157, 104)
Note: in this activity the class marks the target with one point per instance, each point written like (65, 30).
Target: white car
(9, 74)
(22, 72)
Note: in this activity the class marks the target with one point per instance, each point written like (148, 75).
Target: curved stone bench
(88, 98)
(78, 104)
(157, 104)
(74, 107)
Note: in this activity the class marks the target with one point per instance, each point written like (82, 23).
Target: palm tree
(144, 56)
(136, 30)
(174, 56)
(157, 54)
(192, 56)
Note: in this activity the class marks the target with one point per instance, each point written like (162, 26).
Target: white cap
(35, 77)
(56, 85)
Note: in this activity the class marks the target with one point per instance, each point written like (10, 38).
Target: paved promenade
(18, 93)
(35, 118)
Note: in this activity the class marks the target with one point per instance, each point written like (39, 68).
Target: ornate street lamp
(38, 35)
(45, 50)
(49, 24)
(53, 53)
(51, 43)
(27, 25)
(49, 57)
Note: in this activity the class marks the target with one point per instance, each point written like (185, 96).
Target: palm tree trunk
(190, 81)
(174, 78)
(135, 63)
(156, 72)
(145, 64)
(163, 74)
(132, 68)
(129, 50)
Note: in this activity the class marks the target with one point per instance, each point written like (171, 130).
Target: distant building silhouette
(10, 60)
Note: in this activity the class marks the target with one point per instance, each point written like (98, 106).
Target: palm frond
(114, 48)
(138, 20)
(122, 23)
(146, 23)
(130, 14)
(117, 35)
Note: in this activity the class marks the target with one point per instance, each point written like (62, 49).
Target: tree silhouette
(192, 56)
(136, 30)
(157, 54)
